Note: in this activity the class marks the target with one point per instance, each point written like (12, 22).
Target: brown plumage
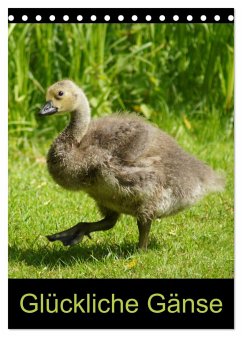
(124, 163)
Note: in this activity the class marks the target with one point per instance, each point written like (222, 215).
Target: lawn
(196, 243)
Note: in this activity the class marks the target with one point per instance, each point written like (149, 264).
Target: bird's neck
(79, 121)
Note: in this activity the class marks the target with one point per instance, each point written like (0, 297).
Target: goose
(126, 164)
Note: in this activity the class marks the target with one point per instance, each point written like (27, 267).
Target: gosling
(124, 163)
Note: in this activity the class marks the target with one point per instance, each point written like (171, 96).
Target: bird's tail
(216, 182)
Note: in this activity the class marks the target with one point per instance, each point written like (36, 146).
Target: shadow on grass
(52, 256)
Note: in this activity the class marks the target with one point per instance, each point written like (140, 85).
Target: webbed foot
(75, 234)
(71, 236)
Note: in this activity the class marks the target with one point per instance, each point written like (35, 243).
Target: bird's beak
(48, 109)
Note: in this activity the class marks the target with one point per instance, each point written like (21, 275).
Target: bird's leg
(144, 229)
(76, 233)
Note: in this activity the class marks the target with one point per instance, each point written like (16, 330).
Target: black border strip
(29, 292)
(120, 15)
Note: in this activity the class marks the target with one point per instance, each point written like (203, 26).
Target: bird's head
(61, 97)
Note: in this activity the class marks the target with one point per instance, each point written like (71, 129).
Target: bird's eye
(60, 93)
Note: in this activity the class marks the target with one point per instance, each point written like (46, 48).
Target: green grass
(148, 68)
(197, 243)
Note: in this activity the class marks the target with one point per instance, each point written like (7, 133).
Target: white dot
(175, 17)
(24, 18)
(162, 17)
(120, 17)
(11, 18)
(65, 17)
(106, 17)
(38, 17)
(79, 17)
(148, 17)
(93, 17)
(230, 17)
(134, 17)
(52, 18)
(189, 18)
(217, 18)
(203, 18)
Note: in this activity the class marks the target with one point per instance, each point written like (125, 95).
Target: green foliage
(159, 70)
